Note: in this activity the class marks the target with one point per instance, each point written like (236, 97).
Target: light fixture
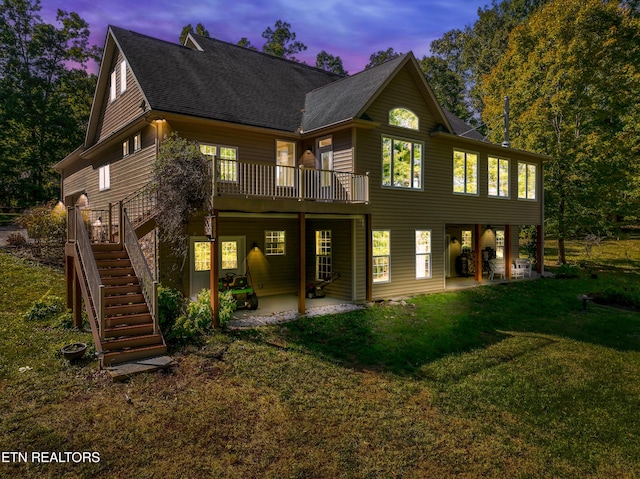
(489, 228)
(254, 246)
(454, 239)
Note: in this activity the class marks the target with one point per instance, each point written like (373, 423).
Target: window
(403, 118)
(227, 163)
(137, 142)
(465, 172)
(526, 181)
(274, 243)
(125, 148)
(286, 161)
(104, 175)
(467, 241)
(401, 163)
(500, 244)
(423, 254)
(498, 176)
(325, 151)
(202, 256)
(381, 247)
(229, 254)
(112, 86)
(323, 254)
(123, 77)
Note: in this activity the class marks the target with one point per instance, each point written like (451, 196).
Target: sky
(345, 28)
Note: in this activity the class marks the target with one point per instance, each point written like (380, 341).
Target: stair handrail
(90, 269)
(141, 204)
(147, 282)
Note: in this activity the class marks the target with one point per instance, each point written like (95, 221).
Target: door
(231, 254)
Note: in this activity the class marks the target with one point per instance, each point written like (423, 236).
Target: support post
(507, 251)
(302, 262)
(213, 272)
(77, 298)
(369, 257)
(69, 278)
(477, 256)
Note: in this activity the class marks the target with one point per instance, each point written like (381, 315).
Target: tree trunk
(562, 257)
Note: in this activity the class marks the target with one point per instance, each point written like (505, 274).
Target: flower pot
(74, 351)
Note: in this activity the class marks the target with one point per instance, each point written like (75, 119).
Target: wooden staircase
(129, 332)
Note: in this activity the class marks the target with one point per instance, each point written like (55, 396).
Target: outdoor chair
(496, 267)
(523, 267)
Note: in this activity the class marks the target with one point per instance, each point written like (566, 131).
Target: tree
(281, 41)
(381, 56)
(244, 42)
(187, 29)
(572, 73)
(45, 98)
(447, 86)
(329, 63)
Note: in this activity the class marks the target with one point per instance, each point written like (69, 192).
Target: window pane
(386, 161)
(492, 165)
(504, 178)
(404, 118)
(274, 243)
(522, 180)
(401, 163)
(381, 245)
(458, 171)
(531, 182)
(417, 165)
(229, 254)
(202, 256)
(285, 159)
(380, 269)
(422, 266)
(472, 169)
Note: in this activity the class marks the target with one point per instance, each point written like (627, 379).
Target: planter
(74, 351)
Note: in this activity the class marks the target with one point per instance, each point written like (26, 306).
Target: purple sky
(351, 30)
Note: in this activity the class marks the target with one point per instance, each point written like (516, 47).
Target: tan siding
(125, 107)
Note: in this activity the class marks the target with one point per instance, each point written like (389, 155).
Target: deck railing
(236, 178)
(140, 266)
(141, 205)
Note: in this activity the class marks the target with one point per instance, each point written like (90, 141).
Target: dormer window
(403, 118)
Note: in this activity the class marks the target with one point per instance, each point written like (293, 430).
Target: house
(314, 174)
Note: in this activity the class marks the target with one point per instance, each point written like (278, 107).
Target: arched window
(403, 118)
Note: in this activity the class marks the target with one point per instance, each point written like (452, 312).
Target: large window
(229, 254)
(104, 177)
(500, 244)
(467, 241)
(423, 254)
(323, 254)
(465, 172)
(274, 243)
(227, 160)
(498, 176)
(401, 163)
(285, 161)
(381, 247)
(403, 118)
(202, 256)
(526, 181)
(325, 152)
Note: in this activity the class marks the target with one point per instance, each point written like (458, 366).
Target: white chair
(522, 268)
(496, 267)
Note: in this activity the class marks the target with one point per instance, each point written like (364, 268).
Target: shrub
(568, 271)
(45, 309)
(616, 297)
(227, 307)
(196, 320)
(46, 224)
(171, 305)
(16, 240)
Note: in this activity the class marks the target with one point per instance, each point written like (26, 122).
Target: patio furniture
(496, 267)
(522, 268)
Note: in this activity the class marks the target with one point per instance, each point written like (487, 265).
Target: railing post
(109, 225)
(366, 188)
(101, 318)
(154, 306)
(301, 189)
(120, 224)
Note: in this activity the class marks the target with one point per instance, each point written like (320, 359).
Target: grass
(501, 381)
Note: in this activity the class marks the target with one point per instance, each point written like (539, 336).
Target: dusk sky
(351, 30)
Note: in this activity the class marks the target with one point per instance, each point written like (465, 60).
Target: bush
(568, 271)
(615, 297)
(227, 307)
(171, 305)
(45, 309)
(195, 322)
(16, 240)
(45, 224)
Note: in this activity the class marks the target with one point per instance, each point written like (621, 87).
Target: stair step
(120, 281)
(129, 342)
(122, 299)
(107, 272)
(106, 247)
(117, 254)
(129, 330)
(116, 357)
(113, 263)
(121, 290)
(125, 310)
(128, 320)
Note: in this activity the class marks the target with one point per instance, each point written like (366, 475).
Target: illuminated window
(104, 175)
(381, 247)
(202, 256)
(500, 244)
(112, 86)
(137, 142)
(467, 241)
(465, 172)
(325, 151)
(285, 161)
(401, 163)
(423, 254)
(123, 77)
(323, 254)
(498, 176)
(227, 163)
(125, 148)
(526, 181)
(403, 118)
(229, 254)
(274, 243)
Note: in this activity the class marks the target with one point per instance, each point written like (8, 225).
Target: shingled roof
(220, 80)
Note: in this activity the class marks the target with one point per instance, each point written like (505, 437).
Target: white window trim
(465, 192)
(319, 254)
(388, 256)
(104, 177)
(125, 148)
(422, 162)
(417, 128)
(137, 142)
(112, 87)
(498, 196)
(123, 77)
(429, 254)
(269, 240)
(535, 189)
(234, 172)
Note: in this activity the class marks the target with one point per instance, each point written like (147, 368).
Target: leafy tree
(244, 42)
(281, 41)
(187, 29)
(381, 56)
(182, 177)
(572, 73)
(329, 63)
(447, 86)
(45, 98)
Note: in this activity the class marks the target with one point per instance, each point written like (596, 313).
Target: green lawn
(501, 381)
